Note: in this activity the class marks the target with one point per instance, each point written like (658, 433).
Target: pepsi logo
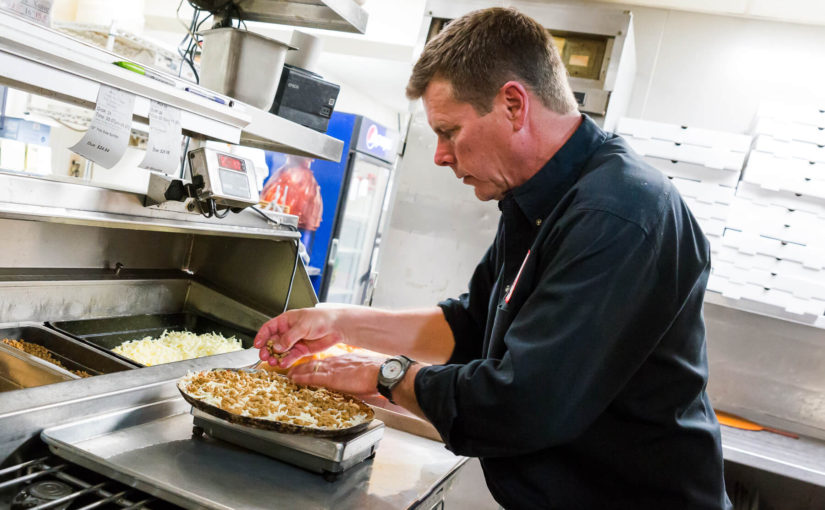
(375, 139)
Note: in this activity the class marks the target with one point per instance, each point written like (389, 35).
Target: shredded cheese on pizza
(176, 346)
(270, 396)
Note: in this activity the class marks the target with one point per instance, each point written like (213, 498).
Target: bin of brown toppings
(59, 350)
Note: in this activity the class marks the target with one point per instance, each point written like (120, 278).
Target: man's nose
(443, 154)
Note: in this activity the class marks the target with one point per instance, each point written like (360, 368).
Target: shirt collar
(539, 195)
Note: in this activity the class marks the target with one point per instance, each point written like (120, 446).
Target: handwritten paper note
(108, 135)
(163, 149)
(35, 10)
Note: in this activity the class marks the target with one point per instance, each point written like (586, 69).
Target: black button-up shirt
(579, 370)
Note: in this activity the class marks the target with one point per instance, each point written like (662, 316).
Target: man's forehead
(440, 103)
(438, 91)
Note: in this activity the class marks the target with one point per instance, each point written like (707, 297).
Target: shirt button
(506, 289)
(538, 222)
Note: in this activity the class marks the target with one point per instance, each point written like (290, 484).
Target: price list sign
(108, 135)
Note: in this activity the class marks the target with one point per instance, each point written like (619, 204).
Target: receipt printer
(305, 98)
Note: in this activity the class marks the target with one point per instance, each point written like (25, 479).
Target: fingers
(297, 352)
(290, 327)
(268, 330)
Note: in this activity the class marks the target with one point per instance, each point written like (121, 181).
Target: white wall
(712, 71)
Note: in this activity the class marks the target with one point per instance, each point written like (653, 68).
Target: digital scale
(328, 456)
(229, 180)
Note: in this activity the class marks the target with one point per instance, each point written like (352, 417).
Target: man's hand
(355, 374)
(298, 333)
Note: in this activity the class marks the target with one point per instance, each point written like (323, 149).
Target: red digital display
(230, 163)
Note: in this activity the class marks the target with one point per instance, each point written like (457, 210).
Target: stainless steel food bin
(242, 64)
(19, 370)
(109, 332)
(72, 354)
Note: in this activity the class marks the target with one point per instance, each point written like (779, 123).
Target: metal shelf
(46, 62)
(340, 15)
(67, 201)
(801, 459)
(291, 138)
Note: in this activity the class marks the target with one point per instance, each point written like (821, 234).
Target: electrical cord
(294, 268)
(264, 216)
(200, 208)
(213, 206)
(297, 255)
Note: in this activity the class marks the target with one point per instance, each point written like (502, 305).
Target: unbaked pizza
(261, 397)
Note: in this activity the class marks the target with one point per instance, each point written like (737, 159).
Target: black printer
(305, 98)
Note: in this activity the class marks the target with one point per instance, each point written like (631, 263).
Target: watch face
(391, 369)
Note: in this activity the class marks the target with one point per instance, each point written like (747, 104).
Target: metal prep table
(407, 471)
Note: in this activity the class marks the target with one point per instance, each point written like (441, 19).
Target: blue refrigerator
(342, 234)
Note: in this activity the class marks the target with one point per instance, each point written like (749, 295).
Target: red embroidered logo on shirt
(513, 286)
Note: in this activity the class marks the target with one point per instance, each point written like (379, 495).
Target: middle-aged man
(575, 367)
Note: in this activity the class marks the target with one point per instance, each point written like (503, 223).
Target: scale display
(231, 163)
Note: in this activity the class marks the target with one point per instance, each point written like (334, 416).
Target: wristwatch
(391, 373)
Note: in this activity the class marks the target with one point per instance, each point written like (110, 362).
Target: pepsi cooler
(349, 271)
(343, 246)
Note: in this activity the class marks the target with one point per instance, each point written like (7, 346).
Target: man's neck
(553, 132)
(547, 132)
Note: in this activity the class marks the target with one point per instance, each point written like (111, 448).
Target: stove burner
(50, 490)
(40, 493)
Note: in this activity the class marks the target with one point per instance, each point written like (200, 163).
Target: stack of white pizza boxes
(773, 250)
(704, 165)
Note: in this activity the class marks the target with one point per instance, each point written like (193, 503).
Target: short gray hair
(481, 51)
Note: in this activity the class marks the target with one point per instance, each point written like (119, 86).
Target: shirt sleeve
(599, 306)
(467, 314)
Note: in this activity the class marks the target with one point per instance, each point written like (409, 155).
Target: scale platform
(328, 456)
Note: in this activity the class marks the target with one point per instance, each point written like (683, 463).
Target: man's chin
(486, 195)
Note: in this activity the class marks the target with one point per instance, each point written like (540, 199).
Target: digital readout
(230, 163)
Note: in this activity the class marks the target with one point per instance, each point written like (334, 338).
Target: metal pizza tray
(109, 332)
(259, 423)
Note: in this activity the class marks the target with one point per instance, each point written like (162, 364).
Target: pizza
(269, 397)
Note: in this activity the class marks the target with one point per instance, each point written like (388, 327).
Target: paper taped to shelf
(108, 135)
(163, 149)
(35, 10)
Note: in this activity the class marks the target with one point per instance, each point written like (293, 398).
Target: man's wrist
(404, 391)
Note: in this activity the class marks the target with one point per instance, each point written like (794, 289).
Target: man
(575, 366)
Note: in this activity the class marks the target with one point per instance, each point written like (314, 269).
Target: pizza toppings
(42, 353)
(269, 396)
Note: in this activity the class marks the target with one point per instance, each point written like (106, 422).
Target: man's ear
(516, 102)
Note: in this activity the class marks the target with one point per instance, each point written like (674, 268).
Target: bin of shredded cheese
(176, 346)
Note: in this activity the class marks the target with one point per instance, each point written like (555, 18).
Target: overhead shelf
(66, 201)
(46, 62)
(340, 15)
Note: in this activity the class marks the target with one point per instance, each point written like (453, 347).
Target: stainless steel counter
(152, 448)
(800, 459)
(407, 470)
